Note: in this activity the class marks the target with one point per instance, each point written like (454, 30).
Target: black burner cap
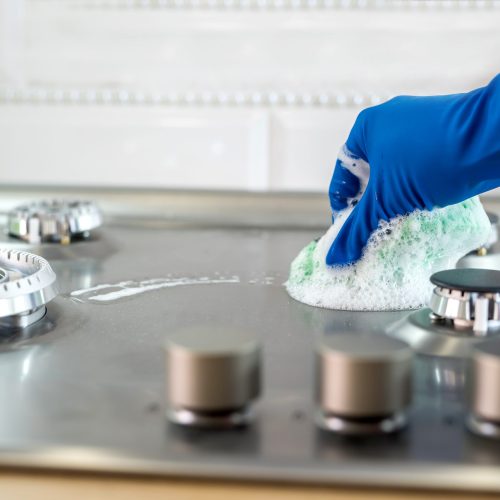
(468, 280)
(493, 217)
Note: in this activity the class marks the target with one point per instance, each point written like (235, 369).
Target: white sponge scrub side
(400, 256)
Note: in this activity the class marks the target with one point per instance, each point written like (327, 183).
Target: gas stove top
(172, 348)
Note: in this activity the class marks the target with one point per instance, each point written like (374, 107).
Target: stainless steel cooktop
(84, 388)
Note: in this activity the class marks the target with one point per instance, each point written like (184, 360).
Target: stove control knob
(213, 375)
(484, 389)
(363, 383)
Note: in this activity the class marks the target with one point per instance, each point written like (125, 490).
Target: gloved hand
(420, 153)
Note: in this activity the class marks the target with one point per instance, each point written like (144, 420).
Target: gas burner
(469, 298)
(464, 309)
(27, 283)
(56, 221)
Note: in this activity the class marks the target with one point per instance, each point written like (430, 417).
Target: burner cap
(27, 284)
(468, 280)
(54, 221)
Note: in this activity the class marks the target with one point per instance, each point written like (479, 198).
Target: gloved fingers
(485, 186)
(349, 180)
(351, 172)
(344, 186)
(356, 143)
(351, 240)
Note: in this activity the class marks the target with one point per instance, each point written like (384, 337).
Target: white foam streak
(99, 287)
(130, 288)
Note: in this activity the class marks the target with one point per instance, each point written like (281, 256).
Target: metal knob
(213, 375)
(484, 389)
(363, 383)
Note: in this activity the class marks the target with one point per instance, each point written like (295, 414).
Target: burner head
(27, 284)
(468, 298)
(56, 221)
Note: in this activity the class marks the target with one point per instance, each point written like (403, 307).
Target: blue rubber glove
(421, 153)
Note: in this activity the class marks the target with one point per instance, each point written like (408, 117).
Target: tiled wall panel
(305, 143)
(366, 50)
(229, 94)
(134, 147)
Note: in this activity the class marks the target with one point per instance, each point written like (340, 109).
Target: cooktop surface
(84, 387)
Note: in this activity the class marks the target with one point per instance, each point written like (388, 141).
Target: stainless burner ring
(29, 284)
(4, 275)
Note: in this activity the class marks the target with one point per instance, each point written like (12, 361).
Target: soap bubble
(400, 256)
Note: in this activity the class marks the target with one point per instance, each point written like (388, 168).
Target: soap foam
(400, 256)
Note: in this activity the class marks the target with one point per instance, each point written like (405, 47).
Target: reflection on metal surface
(361, 426)
(449, 378)
(441, 378)
(483, 427)
(26, 366)
(210, 420)
(484, 389)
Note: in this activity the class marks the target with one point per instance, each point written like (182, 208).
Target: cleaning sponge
(393, 272)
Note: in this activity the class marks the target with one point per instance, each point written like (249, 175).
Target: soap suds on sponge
(400, 256)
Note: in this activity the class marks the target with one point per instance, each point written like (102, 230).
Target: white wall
(232, 94)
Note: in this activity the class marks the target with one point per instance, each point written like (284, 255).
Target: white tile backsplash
(400, 50)
(134, 146)
(250, 82)
(305, 143)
